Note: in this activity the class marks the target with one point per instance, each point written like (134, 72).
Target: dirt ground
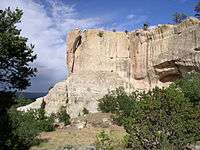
(71, 135)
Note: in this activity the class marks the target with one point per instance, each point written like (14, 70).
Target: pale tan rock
(57, 97)
(35, 105)
(100, 60)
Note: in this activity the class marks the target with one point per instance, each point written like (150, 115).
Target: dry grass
(73, 136)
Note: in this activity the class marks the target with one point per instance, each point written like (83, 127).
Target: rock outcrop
(99, 61)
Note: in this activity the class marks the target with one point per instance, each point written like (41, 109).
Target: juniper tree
(179, 17)
(197, 10)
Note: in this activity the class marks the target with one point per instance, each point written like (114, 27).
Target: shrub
(63, 116)
(118, 102)
(158, 119)
(51, 87)
(179, 17)
(104, 142)
(26, 127)
(6, 101)
(189, 85)
(85, 111)
(197, 10)
(100, 34)
(163, 119)
(145, 26)
(112, 101)
(22, 101)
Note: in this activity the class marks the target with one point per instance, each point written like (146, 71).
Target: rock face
(99, 61)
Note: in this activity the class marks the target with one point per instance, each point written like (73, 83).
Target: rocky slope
(99, 61)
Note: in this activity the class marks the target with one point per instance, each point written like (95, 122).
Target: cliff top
(187, 22)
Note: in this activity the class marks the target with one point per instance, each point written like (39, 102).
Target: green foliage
(197, 10)
(179, 17)
(6, 100)
(50, 88)
(117, 102)
(114, 30)
(145, 26)
(22, 101)
(85, 111)
(15, 55)
(104, 142)
(63, 116)
(163, 119)
(158, 119)
(190, 85)
(15, 73)
(26, 127)
(100, 34)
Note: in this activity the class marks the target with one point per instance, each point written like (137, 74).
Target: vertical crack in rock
(76, 44)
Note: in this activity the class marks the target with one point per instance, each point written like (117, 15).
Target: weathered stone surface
(35, 105)
(99, 61)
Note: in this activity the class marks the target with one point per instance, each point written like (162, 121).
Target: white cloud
(130, 16)
(136, 18)
(130, 22)
(47, 30)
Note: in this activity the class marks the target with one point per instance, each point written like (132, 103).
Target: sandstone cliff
(99, 61)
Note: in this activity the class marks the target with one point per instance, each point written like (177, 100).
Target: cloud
(183, 1)
(129, 22)
(46, 24)
(130, 16)
(136, 18)
(46, 27)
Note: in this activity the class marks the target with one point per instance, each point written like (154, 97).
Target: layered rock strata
(99, 61)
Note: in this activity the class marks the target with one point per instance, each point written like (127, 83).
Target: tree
(189, 85)
(15, 54)
(179, 17)
(157, 119)
(145, 26)
(63, 116)
(15, 72)
(197, 10)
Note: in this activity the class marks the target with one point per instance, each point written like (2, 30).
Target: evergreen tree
(15, 54)
(179, 17)
(15, 72)
(197, 10)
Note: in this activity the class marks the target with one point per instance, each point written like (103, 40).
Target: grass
(73, 136)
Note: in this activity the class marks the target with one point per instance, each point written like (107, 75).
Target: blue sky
(46, 23)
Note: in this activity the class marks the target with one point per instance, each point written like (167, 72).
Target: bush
(178, 17)
(115, 101)
(118, 102)
(100, 34)
(145, 26)
(85, 111)
(158, 119)
(63, 116)
(190, 85)
(26, 127)
(22, 101)
(6, 101)
(104, 142)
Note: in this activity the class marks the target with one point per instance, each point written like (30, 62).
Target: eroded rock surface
(99, 61)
